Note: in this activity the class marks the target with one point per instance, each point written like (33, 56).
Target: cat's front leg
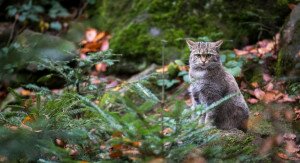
(195, 103)
(209, 119)
(202, 118)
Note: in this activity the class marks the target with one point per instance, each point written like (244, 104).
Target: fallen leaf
(269, 86)
(90, 34)
(266, 77)
(259, 94)
(254, 84)
(59, 142)
(25, 92)
(291, 147)
(73, 152)
(286, 98)
(137, 144)
(256, 113)
(161, 70)
(105, 45)
(101, 67)
(82, 55)
(240, 52)
(269, 97)
(252, 100)
(167, 131)
(283, 156)
(249, 47)
(99, 36)
(27, 119)
(289, 136)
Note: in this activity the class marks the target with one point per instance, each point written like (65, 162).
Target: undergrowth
(87, 121)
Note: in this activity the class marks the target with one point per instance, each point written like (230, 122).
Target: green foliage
(30, 11)
(147, 23)
(294, 88)
(74, 76)
(232, 63)
(51, 126)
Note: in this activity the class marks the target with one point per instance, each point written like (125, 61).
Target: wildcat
(210, 83)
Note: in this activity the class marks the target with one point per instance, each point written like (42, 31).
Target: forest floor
(275, 113)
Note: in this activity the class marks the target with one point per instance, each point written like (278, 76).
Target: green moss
(279, 64)
(253, 72)
(139, 26)
(173, 70)
(233, 147)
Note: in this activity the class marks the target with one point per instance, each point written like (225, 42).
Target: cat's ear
(218, 44)
(190, 43)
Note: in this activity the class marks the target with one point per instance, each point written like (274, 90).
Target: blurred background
(49, 45)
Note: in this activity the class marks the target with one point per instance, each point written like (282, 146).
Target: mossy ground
(138, 27)
(266, 121)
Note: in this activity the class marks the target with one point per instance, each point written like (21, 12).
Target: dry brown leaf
(291, 147)
(267, 77)
(254, 51)
(256, 113)
(254, 84)
(269, 87)
(161, 70)
(73, 152)
(137, 144)
(286, 98)
(269, 97)
(240, 52)
(105, 45)
(90, 34)
(289, 136)
(167, 131)
(99, 36)
(252, 100)
(259, 94)
(25, 92)
(27, 119)
(283, 156)
(249, 47)
(101, 67)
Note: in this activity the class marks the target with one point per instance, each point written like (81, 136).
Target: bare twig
(12, 30)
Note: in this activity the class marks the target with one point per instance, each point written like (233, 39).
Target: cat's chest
(205, 85)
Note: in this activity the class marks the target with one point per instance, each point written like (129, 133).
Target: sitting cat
(210, 83)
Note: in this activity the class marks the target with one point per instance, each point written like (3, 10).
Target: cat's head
(204, 55)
